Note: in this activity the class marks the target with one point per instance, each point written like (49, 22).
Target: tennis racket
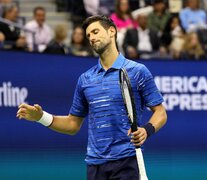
(129, 102)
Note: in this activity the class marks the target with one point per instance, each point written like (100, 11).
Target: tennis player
(110, 151)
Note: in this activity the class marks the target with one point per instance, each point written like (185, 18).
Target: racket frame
(133, 122)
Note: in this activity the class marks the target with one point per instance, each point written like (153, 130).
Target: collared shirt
(144, 40)
(98, 95)
(158, 23)
(43, 35)
(193, 19)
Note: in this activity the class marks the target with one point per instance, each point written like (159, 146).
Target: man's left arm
(159, 117)
(152, 99)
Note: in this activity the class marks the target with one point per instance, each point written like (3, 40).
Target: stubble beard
(100, 49)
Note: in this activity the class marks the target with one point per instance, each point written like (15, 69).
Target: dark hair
(169, 22)
(37, 9)
(119, 13)
(105, 22)
(84, 41)
(166, 38)
(8, 8)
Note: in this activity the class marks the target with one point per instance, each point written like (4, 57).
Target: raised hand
(30, 113)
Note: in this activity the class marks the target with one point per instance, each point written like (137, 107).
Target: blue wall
(31, 151)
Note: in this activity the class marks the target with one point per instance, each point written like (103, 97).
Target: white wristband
(46, 119)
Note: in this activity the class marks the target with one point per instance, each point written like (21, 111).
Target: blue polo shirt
(98, 95)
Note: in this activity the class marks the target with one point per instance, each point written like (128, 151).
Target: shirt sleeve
(148, 88)
(79, 106)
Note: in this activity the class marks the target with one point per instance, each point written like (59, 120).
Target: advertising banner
(50, 80)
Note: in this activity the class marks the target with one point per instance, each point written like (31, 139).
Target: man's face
(159, 7)
(98, 37)
(40, 17)
(13, 14)
(193, 4)
(143, 21)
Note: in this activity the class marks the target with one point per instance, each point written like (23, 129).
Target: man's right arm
(64, 124)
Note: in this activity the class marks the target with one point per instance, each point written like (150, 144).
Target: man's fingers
(139, 132)
(137, 140)
(18, 116)
(29, 112)
(24, 116)
(21, 115)
(25, 106)
(129, 132)
(135, 133)
(138, 137)
(21, 110)
(38, 107)
(140, 143)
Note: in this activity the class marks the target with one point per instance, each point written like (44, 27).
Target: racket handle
(133, 127)
(141, 166)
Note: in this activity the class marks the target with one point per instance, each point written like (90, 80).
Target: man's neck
(40, 25)
(142, 28)
(193, 8)
(108, 57)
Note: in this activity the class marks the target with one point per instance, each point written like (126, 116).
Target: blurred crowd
(158, 29)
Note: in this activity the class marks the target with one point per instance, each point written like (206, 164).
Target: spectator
(14, 38)
(123, 20)
(141, 42)
(79, 45)
(192, 17)
(192, 48)
(43, 33)
(146, 10)
(62, 5)
(203, 5)
(173, 37)
(122, 16)
(91, 7)
(94, 7)
(2, 3)
(106, 7)
(78, 12)
(57, 46)
(159, 17)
